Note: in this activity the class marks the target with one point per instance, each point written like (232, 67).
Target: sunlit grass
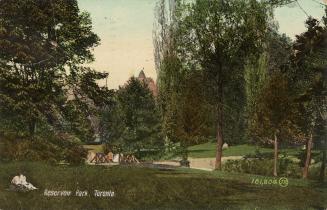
(208, 150)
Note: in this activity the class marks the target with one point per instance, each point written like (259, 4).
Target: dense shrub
(75, 155)
(263, 167)
(111, 148)
(51, 149)
(259, 155)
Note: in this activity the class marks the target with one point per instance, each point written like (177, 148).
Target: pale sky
(125, 30)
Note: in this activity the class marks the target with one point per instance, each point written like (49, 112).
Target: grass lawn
(208, 150)
(144, 188)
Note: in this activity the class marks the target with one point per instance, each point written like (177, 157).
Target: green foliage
(43, 86)
(277, 51)
(133, 122)
(47, 97)
(192, 117)
(308, 71)
(49, 149)
(255, 79)
(211, 39)
(275, 111)
(263, 167)
(278, 3)
(234, 111)
(276, 54)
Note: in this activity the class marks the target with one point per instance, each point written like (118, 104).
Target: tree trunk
(184, 149)
(219, 147)
(220, 137)
(323, 164)
(31, 127)
(308, 157)
(275, 154)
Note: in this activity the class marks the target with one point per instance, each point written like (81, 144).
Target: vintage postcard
(163, 104)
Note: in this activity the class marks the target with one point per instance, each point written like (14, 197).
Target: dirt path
(207, 164)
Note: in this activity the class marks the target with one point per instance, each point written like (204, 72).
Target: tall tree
(133, 122)
(192, 120)
(274, 113)
(43, 44)
(277, 50)
(256, 76)
(182, 103)
(309, 75)
(218, 37)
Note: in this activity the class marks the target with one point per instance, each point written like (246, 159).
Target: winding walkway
(207, 164)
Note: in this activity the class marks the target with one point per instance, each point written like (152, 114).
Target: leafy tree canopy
(42, 82)
(133, 123)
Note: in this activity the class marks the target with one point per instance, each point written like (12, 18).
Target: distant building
(149, 82)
